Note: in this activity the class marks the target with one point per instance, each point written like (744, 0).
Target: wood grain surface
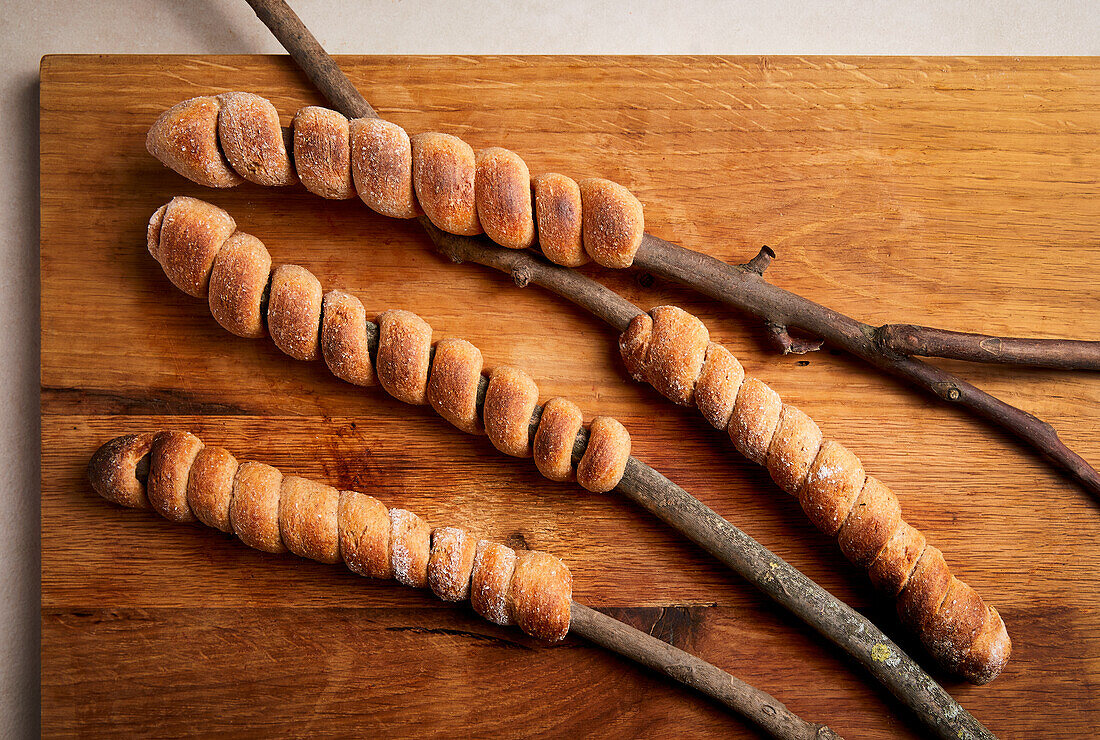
(954, 192)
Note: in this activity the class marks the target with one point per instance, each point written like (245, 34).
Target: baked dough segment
(502, 191)
(835, 480)
(252, 139)
(491, 582)
(890, 570)
(601, 467)
(382, 167)
(755, 417)
(453, 383)
(344, 341)
(322, 152)
(404, 356)
(185, 139)
(925, 590)
(950, 634)
(308, 514)
(294, 312)
(254, 509)
(559, 424)
(794, 446)
(170, 459)
(210, 487)
(872, 521)
(558, 213)
(510, 401)
(184, 236)
(451, 562)
(444, 172)
(717, 385)
(676, 350)
(613, 223)
(990, 651)
(364, 526)
(542, 590)
(634, 345)
(410, 546)
(238, 285)
(113, 470)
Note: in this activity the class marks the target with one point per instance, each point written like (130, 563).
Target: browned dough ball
(558, 212)
(453, 383)
(238, 283)
(613, 222)
(717, 386)
(254, 509)
(634, 345)
(444, 171)
(675, 353)
(834, 483)
(491, 582)
(308, 519)
(410, 538)
(450, 563)
(794, 446)
(294, 312)
(170, 459)
(601, 467)
(185, 139)
(381, 165)
(950, 634)
(990, 651)
(502, 191)
(404, 355)
(112, 470)
(184, 237)
(559, 423)
(542, 592)
(344, 341)
(755, 417)
(510, 401)
(890, 570)
(871, 523)
(252, 139)
(322, 152)
(210, 487)
(364, 524)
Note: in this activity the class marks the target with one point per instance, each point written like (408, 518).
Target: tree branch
(925, 341)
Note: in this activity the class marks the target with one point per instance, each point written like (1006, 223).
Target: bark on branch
(925, 341)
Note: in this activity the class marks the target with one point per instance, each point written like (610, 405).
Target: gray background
(32, 29)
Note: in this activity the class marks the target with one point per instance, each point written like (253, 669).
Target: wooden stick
(698, 674)
(780, 309)
(925, 341)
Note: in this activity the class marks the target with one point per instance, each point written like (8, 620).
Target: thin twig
(925, 341)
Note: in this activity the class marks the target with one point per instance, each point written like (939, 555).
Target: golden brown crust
(444, 172)
(210, 487)
(604, 460)
(170, 458)
(890, 570)
(404, 356)
(238, 284)
(491, 582)
(950, 634)
(558, 211)
(453, 383)
(187, 239)
(502, 191)
(755, 417)
(410, 545)
(675, 353)
(873, 519)
(834, 483)
(308, 519)
(112, 471)
(634, 345)
(510, 400)
(252, 139)
(322, 152)
(450, 563)
(381, 165)
(613, 222)
(294, 312)
(989, 652)
(794, 446)
(924, 591)
(364, 526)
(254, 509)
(185, 139)
(717, 385)
(542, 590)
(554, 439)
(344, 342)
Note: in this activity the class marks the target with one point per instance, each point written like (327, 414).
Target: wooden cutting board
(955, 192)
